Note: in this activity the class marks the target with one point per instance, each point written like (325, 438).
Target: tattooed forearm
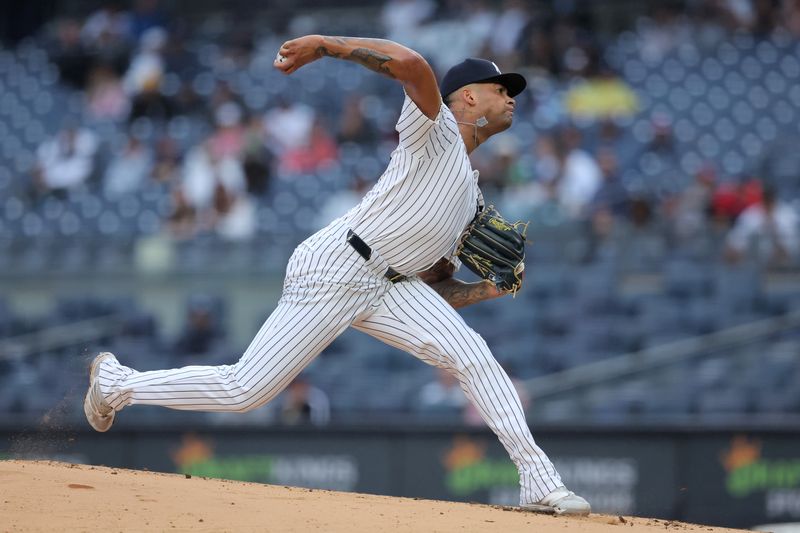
(460, 294)
(372, 60)
(359, 52)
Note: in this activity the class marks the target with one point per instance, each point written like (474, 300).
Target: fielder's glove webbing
(494, 249)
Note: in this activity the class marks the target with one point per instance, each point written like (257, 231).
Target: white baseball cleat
(561, 502)
(98, 412)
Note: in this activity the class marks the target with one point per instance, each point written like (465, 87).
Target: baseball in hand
(280, 58)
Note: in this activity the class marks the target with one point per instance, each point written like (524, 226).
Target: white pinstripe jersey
(424, 200)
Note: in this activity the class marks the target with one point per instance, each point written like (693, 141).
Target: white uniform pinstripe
(411, 218)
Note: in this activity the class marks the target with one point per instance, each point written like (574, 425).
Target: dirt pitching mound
(47, 496)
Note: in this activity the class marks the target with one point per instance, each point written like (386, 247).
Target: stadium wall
(735, 476)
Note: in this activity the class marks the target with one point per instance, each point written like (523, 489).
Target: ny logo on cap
(495, 67)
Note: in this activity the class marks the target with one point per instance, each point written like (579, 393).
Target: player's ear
(469, 95)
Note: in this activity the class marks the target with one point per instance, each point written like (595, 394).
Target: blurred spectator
(791, 16)
(179, 57)
(341, 201)
(289, 125)
(147, 14)
(213, 196)
(69, 53)
(128, 170)
(106, 99)
(228, 139)
(692, 208)
(659, 160)
(152, 103)
(401, 18)
(479, 19)
(202, 172)
(147, 66)
(303, 403)
(66, 160)
(610, 209)
(663, 141)
(257, 159)
(751, 192)
(736, 14)
(353, 125)
(166, 168)
(499, 167)
(766, 231)
(640, 211)
(602, 96)
(547, 159)
(108, 23)
(577, 51)
(182, 222)
(661, 33)
(731, 198)
(461, 28)
(107, 35)
(144, 76)
(442, 394)
(234, 214)
(202, 330)
(319, 151)
(237, 47)
(198, 336)
(726, 205)
(223, 94)
(514, 17)
(534, 182)
(766, 17)
(580, 176)
(188, 103)
(611, 196)
(537, 45)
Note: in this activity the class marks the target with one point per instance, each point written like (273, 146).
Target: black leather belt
(365, 251)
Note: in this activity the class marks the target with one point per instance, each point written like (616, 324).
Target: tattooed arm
(382, 56)
(456, 292)
(461, 294)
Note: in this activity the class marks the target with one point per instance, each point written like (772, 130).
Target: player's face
(499, 108)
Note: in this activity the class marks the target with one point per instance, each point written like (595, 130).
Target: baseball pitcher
(385, 268)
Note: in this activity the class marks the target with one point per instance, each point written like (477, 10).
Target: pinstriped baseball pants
(328, 288)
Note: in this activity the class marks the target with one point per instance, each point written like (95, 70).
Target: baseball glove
(494, 249)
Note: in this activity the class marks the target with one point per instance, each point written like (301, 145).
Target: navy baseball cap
(474, 70)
